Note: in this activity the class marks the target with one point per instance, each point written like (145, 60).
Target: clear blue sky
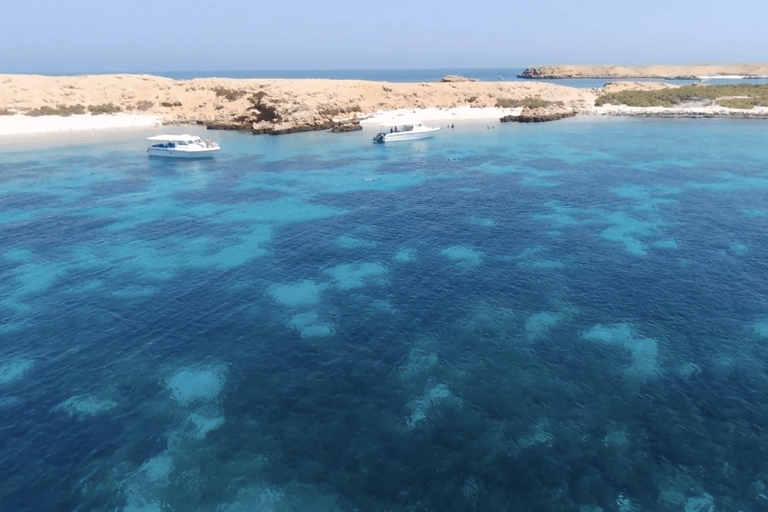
(74, 36)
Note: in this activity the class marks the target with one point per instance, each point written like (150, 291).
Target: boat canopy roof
(174, 138)
(402, 122)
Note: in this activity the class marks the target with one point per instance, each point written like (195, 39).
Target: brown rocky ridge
(540, 114)
(265, 106)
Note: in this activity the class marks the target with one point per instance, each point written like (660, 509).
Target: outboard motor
(379, 138)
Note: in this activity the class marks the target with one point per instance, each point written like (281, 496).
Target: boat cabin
(181, 146)
(403, 126)
(174, 141)
(404, 129)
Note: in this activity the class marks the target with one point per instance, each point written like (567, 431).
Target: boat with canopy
(181, 146)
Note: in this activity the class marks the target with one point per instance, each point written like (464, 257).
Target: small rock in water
(457, 78)
(539, 115)
(347, 127)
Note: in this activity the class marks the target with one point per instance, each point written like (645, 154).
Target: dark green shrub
(144, 105)
(61, 110)
(229, 94)
(677, 95)
(745, 103)
(103, 109)
(325, 110)
(526, 102)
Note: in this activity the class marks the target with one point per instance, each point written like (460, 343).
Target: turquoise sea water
(555, 317)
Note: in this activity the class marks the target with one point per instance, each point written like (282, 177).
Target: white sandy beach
(25, 125)
(72, 125)
(441, 116)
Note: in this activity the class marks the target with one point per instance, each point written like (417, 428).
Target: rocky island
(266, 106)
(279, 106)
(656, 72)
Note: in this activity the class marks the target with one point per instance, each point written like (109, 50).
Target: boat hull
(181, 153)
(402, 136)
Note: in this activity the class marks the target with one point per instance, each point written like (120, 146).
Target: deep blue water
(556, 317)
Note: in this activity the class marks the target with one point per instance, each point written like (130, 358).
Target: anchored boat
(404, 130)
(181, 146)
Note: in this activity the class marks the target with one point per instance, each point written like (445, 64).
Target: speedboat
(404, 130)
(181, 146)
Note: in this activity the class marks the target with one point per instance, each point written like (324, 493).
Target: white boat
(404, 130)
(181, 146)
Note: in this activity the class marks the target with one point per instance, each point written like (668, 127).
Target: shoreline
(280, 106)
(461, 115)
(708, 112)
(79, 128)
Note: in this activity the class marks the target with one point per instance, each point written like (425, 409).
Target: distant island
(665, 72)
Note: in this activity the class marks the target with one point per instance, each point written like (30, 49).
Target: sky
(84, 36)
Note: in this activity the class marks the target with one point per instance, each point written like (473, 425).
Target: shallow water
(568, 316)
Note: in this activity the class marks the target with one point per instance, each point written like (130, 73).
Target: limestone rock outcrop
(457, 78)
(350, 126)
(276, 114)
(540, 114)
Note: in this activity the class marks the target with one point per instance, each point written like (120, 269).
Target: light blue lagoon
(568, 316)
